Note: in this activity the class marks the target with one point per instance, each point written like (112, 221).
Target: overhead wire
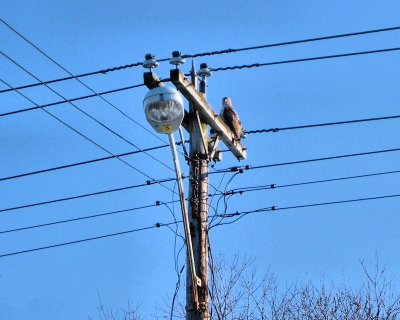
(242, 214)
(157, 225)
(217, 190)
(177, 287)
(51, 104)
(235, 169)
(279, 129)
(285, 43)
(257, 131)
(287, 128)
(211, 266)
(315, 125)
(93, 91)
(337, 202)
(148, 183)
(238, 216)
(361, 53)
(248, 66)
(176, 232)
(156, 204)
(203, 54)
(176, 252)
(334, 56)
(225, 193)
(230, 215)
(21, 175)
(242, 190)
(57, 119)
(249, 167)
(90, 116)
(70, 127)
(97, 121)
(80, 81)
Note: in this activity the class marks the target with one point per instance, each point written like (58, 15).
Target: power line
(56, 118)
(276, 186)
(62, 79)
(70, 100)
(80, 134)
(255, 65)
(156, 204)
(242, 190)
(81, 163)
(239, 215)
(279, 44)
(158, 225)
(91, 117)
(166, 145)
(148, 183)
(338, 202)
(248, 167)
(196, 55)
(231, 192)
(81, 82)
(21, 175)
(226, 170)
(343, 55)
(94, 119)
(273, 130)
(73, 129)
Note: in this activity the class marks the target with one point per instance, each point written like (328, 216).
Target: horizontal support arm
(207, 114)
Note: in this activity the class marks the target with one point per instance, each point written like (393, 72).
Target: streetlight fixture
(164, 111)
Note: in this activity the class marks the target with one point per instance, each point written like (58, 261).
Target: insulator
(204, 71)
(177, 59)
(150, 62)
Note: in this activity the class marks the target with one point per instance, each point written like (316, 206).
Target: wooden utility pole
(200, 116)
(198, 209)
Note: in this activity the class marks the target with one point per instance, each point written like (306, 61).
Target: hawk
(231, 118)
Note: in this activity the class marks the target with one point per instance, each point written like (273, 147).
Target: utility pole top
(207, 114)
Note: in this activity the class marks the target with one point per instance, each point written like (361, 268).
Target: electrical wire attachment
(177, 59)
(204, 71)
(150, 62)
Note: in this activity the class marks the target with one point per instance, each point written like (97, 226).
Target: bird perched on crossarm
(231, 118)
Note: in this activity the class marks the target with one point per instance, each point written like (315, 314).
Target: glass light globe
(164, 110)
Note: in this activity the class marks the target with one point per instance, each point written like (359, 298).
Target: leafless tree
(238, 292)
(108, 313)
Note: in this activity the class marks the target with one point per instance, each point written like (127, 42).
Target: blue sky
(297, 245)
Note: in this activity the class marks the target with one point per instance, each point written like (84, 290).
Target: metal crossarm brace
(207, 114)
